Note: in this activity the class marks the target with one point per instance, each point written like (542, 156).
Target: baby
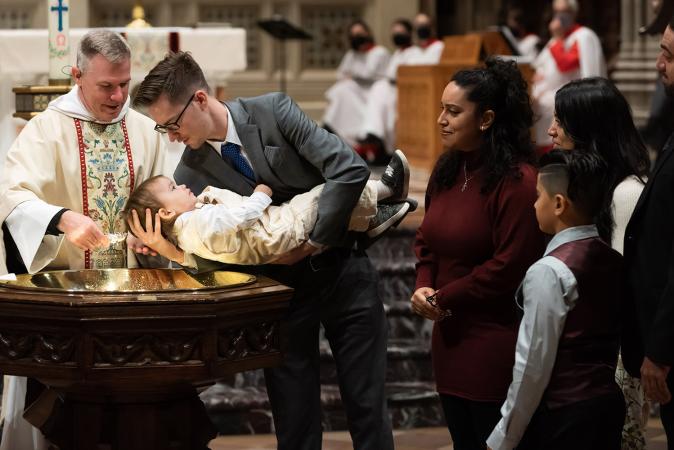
(221, 225)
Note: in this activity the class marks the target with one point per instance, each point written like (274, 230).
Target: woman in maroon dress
(477, 239)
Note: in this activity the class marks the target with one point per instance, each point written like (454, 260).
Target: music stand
(282, 30)
(509, 39)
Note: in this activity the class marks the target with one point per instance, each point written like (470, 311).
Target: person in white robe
(518, 32)
(66, 179)
(377, 135)
(573, 52)
(431, 47)
(361, 66)
(527, 46)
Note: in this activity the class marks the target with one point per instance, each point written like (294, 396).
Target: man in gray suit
(269, 140)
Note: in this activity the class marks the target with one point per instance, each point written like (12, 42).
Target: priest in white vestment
(573, 52)
(361, 66)
(66, 178)
(377, 135)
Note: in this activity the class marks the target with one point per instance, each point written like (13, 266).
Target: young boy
(221, 225)
(563, 394)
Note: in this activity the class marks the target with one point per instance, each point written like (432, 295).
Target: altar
(24, 60)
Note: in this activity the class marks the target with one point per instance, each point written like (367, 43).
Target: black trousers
(339, 290)
(588, 425)
(470, 422)
(667, 415)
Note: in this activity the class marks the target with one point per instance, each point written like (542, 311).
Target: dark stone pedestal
(123, 368)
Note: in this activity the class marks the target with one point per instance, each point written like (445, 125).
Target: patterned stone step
(411, 405)
(407, 361)
(646, 75)
(246, 410)
(405, 324)
(414, 405)
(394, 248)
(238, 410)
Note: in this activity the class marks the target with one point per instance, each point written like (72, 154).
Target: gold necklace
(466, 177)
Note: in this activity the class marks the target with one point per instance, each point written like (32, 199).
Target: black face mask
(401, 39)
(424, 32)
(358, 41)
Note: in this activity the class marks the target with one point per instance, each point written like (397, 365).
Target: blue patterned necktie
(232, 152)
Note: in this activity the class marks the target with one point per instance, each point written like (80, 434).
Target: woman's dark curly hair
(499, 87)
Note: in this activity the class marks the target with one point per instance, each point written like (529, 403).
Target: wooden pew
(420, 90)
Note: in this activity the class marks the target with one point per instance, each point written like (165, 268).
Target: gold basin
(127, 280)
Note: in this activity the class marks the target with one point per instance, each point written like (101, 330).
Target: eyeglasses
(174, 126)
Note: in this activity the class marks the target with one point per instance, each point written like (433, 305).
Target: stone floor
(416, 439)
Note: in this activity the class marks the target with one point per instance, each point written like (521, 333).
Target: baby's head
(572, 189)
(161, 195)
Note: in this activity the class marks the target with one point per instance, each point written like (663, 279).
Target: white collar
(232, 135)
(71, 105)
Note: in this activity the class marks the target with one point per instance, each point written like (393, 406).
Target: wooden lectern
(420, 90)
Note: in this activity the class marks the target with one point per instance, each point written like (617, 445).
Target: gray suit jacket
(290, 154)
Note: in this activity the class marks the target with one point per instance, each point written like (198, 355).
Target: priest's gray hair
(108, 43)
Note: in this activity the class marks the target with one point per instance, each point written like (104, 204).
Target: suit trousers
(591, 424)
(337, 289)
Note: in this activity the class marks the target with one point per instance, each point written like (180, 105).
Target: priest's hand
(81, 231)
(654, 381)
(423, 307)
(296, 255)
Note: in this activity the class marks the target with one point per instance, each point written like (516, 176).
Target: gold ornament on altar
(138, 16)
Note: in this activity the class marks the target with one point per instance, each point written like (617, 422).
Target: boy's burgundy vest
(588, 348)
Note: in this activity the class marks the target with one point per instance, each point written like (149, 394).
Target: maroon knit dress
(475, 249)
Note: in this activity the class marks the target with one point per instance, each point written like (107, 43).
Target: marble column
(626, 20)
(634, 15)
(639, 20)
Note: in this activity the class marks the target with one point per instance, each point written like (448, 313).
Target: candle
(59, 42)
